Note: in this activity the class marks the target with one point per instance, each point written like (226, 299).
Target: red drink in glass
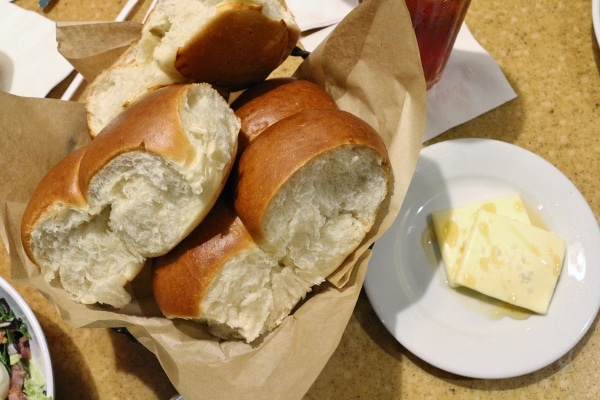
(436, 24)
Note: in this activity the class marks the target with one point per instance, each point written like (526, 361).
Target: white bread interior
(155, 202)
(315, 221)
(149, 62)
(133, 75)
(93, 264)
(323, 212)
(305, 193)
(131, 204)
(245, 302)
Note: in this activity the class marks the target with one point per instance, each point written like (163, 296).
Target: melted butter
(469, 280)
(496, 257)
(532, 248)
(492, 308)
(489, 306)
(555, 261)
(428, 243)
(537, 220)
(484, 263)
(489, 207)
(449, 232)
(494, 260)
(520, 207)
(484, 229)
(556, 264)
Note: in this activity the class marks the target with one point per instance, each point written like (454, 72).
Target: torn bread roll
(134, 192)
(309, 189)
(310, 186)
(220, 277)
(228, 44)
(271, 100)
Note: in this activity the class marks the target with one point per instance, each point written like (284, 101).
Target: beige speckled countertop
(548, 52)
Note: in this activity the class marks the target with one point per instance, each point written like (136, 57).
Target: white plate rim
(39, 346)
(479, 355)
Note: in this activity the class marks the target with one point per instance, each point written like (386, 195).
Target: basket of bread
(216, 195)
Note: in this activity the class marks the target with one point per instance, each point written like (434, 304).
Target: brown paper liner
(370, 64)
(86, 47)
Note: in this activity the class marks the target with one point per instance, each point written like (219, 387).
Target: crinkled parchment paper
(370, 64)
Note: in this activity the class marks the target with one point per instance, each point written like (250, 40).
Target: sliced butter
(452, 227)
(512, 261)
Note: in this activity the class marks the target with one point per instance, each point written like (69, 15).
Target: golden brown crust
(267, 102)
(151, 124)
(240, 46)
(284, 148)
(181, 277)
(59, 186)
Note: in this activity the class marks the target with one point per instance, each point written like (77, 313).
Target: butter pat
(452, 227)
(512, 261)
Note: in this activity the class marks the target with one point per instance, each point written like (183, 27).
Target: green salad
(20, 379)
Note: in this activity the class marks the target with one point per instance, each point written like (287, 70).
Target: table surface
(549, 54)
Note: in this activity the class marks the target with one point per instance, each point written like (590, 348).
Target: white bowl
(38, 344)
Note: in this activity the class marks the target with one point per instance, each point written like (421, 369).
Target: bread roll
(310, 187)
(134, 192)
(228, 44)
(265, 103)
(240, 44)
(65, 240)
(220, 277)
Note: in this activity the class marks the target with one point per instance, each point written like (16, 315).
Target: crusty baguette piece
(271, 100)
(134, 192)
(309, 189)
(228, 44)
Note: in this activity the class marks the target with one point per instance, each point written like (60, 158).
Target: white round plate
(39, 347)
(455, 332)
(596, 18)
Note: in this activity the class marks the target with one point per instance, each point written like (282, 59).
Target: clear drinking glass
(436, 24)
